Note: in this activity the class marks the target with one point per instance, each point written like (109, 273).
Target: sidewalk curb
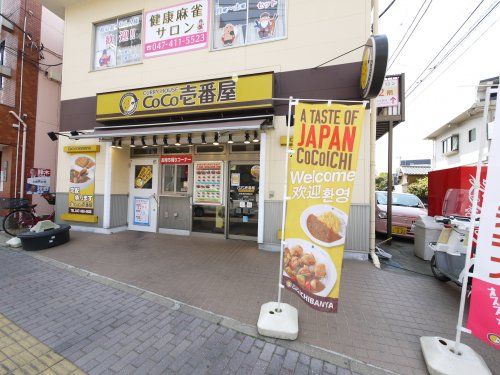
(332, 357)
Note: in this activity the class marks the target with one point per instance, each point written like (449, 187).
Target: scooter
(448, 261)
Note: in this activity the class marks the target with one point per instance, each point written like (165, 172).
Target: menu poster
(141, 211)
(208, 183)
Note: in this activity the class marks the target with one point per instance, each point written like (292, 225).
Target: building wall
(48, 101)
(467, 151)
(317, 32)
(9, 94)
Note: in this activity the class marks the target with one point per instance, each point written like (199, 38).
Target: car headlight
(382, 215)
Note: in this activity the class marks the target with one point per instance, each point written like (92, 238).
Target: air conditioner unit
(5, 71)
(7, 25)
(54, 75)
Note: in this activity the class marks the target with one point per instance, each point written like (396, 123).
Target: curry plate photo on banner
(321, 177)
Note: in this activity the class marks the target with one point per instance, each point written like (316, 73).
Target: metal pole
(23, 160)
(285, 200)
(20, 102)
(474, 215)
(389, 184)
(373, 139)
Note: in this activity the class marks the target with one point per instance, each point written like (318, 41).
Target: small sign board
(176, 159)
(389, 95)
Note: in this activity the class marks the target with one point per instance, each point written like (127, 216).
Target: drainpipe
(21, 115)
(23, 158)
(373, 139)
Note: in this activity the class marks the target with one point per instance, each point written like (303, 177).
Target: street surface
(55, 322)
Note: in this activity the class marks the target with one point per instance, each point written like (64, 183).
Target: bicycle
(22, 216)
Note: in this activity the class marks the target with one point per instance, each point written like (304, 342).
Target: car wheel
(435, 271)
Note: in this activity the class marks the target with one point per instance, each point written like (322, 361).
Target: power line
(387, 8)
(415, 84)
(409, 27)
(458, 57)
(339, 56)
(446, 44)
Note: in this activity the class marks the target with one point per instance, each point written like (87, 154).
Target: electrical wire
(405, 269)
(415, 84)
(26, 57)
(454, 61)
(408, 29)
(387, 8)
(446, 44)
(339, 56)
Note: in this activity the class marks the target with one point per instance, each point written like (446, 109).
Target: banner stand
(447, 357)
(278, 319)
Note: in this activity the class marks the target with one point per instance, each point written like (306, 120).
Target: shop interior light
(132, 142)
(203, 139)
(247, 139)
(178, 140)
(216, 139)
(255, 138)
(190, 140)
(154, 141)
(165, 140)
(143, 141)
(230, 141)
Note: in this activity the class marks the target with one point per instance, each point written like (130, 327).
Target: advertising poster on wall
(141, 211)
(38, 182)
(82, 183)
(484, 314)
(208, 183)
(320, 182)
(178, 28)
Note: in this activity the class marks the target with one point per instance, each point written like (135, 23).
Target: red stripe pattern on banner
(496, 243)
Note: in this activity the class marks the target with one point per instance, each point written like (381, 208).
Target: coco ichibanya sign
(178, 28)
(217, 95)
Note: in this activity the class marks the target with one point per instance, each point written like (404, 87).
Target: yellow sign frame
(226, 94)
(81, 149)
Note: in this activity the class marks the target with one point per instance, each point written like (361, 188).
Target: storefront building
(175, 113)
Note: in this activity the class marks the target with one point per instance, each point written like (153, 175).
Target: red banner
(484, 315)
(176, 159)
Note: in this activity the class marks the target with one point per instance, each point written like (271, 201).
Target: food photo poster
(321, 177)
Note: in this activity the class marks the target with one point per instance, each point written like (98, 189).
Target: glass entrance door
(243, 200)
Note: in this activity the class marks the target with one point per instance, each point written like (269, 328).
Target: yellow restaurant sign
(227, 94)
(81, 148)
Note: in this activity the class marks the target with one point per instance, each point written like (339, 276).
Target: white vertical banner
(484, 315)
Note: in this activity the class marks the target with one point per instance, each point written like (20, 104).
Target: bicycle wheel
(18, 221)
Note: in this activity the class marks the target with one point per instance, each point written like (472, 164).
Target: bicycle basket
(13, 203)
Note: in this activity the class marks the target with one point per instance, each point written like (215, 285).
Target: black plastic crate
(13, 203)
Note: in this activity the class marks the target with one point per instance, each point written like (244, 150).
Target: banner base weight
(282, 324)
(441, 360)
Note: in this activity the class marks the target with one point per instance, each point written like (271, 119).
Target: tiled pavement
(101, 329)
(21, 353)
(382, 313)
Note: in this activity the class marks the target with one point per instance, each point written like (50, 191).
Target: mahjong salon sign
(320, 182)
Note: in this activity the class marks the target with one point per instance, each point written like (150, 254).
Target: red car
(406, 210)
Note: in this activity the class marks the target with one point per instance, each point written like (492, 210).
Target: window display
(118, 42)
(240, 22)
